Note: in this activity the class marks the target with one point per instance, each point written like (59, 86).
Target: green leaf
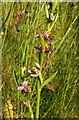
(49, 79)
(42, 55)
(53, 23)
(46, 10)
(54, 5)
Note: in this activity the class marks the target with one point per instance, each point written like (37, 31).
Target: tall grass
(21, 22)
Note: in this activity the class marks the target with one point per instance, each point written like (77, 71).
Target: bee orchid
(45, 35)
(34, 72)
(47, 49)
(24, 87)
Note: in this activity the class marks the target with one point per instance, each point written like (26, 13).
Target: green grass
(18, 42)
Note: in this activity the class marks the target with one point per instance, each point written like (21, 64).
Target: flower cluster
(24, 87)
(48, 46)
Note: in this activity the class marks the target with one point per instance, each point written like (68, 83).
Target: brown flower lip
(47, 49)
(33, 73)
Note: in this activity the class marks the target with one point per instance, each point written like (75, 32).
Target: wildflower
(24, 87)
(25, 84)
(34, 72)
(38, 48)
(45, 35)
(47, 49)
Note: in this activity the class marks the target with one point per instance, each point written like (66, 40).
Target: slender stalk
(41, 78)
(30, 110)
(38, 99)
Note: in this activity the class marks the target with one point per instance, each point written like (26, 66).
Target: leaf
(53, 23)
(42, 55)
(49, 79)
(54, 6)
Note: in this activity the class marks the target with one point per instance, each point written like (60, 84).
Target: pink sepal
(20, 88)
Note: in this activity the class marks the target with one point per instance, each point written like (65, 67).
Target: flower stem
(41, 78)
(38, 99)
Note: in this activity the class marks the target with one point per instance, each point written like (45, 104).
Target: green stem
(41, 78)
(38, 99)
(30, 110)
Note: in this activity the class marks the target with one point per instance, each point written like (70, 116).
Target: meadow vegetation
(48, 34)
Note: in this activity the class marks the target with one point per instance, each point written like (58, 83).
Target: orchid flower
(45, 35)
(47, 49)
(24, 87)
(34, 72)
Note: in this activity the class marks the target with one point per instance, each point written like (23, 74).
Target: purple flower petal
(20, 88)
(25, 84)
(44, 34)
